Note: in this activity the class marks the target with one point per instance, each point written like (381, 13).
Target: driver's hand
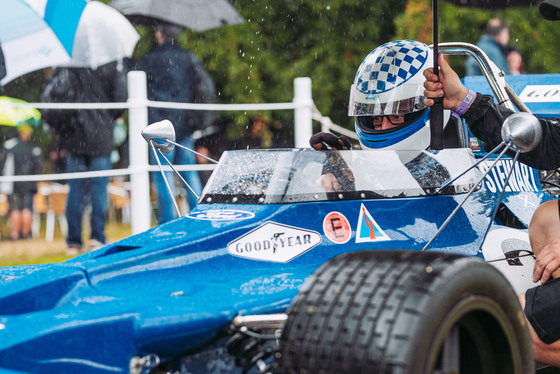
(447, 85)
(547, 262)
(329, 182)
(325, 140)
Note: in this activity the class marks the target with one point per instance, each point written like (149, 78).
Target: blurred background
(256, 61)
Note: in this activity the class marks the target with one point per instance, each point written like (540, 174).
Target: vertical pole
(303, 128)
(138, 152)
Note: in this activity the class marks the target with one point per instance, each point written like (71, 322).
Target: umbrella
(199, 15)
(17, 115)
(72, 33)
(104, 35)
(494, 4)
(34, 37)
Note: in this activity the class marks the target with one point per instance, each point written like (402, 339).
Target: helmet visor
(368, 123)
(398, 103)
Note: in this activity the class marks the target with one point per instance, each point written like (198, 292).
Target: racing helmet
(389, 82)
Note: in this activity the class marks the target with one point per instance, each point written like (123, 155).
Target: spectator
(256, 135)
(494, 43)
(57, 154)
(21, 157)
(119, 156)
(515, 61)
(175, 75)
(280, 135)
(88, 134)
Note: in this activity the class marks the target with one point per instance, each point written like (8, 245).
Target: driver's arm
(485, 117)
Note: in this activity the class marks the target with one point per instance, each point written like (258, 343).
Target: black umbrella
(494, 4)
(198, 15)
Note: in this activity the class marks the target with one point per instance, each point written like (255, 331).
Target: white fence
(139, 167)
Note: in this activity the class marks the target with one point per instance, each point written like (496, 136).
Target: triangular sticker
(368, 230)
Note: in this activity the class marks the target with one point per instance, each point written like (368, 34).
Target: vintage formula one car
(395, 272)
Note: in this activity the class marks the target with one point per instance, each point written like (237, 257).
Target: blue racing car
(393, 272)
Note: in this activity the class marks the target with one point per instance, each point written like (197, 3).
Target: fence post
(138, 152)
(303, 127)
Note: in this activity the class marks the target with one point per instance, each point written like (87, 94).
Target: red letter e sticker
(337, 228)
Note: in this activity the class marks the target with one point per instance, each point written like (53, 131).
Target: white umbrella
(35, 34)
(199, 15)
(104, 35)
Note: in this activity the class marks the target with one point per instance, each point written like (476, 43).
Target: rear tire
(406, 312)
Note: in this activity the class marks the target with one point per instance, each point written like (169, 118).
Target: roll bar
(495, 77)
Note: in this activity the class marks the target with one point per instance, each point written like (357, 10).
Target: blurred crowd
(495, 43)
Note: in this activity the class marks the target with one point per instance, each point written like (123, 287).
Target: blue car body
(173, 290)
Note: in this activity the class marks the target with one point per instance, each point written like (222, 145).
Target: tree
(256, 62)
(533, 36)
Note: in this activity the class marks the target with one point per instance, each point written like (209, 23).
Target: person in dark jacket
(88, 138)
(21, 157)
(174, 74)
(541, 304)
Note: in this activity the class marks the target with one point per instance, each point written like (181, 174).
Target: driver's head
(387, 97)
(550, 10)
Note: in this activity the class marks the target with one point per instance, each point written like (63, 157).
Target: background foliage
(257, 61)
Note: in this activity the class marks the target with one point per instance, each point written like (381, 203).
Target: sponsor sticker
(368, 230)
(541, 94)
(221, 215)
(337, 228)
(522, 179)
(274, 242)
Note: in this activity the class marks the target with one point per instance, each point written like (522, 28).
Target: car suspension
(255, 341)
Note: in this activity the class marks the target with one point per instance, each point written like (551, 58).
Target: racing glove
(323, 141)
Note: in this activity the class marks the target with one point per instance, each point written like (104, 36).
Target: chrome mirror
(160, 134)
(522, 131)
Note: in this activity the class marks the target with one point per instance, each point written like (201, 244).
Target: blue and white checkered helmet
(390, 82)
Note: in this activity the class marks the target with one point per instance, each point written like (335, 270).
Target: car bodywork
(262, 226)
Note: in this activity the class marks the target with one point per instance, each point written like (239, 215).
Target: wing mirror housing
(159, 134)
(522, 131)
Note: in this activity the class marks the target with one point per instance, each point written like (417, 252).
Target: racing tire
(405, 312)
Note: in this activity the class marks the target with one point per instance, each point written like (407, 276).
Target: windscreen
(305, 175)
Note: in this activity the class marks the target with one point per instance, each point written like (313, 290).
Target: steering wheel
(250, 184)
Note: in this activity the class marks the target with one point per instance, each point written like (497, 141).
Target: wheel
(405, 312)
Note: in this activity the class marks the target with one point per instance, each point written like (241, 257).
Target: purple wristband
(464, 105)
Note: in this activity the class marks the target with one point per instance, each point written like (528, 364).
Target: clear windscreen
(305, 175)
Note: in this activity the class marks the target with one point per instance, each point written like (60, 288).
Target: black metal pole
(436, 111)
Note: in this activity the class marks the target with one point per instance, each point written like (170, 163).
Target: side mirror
(160, 133)
(522, 131)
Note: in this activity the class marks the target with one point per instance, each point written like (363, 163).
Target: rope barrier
(328, 125)
(162, 104)
(139, 168)
(101, 173)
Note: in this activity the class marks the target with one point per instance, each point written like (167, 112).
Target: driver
(387, 100)
(541, 303)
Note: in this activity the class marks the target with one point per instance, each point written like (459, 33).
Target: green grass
(39, 251)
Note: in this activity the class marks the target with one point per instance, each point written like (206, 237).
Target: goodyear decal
(541, 94)
(337, 228)
(221, 215)
(522, 179)
(368, 230)
(274, 242)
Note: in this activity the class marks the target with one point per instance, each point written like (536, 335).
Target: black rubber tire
(391, 312)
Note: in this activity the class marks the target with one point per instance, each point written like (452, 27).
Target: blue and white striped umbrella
(37, 33)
